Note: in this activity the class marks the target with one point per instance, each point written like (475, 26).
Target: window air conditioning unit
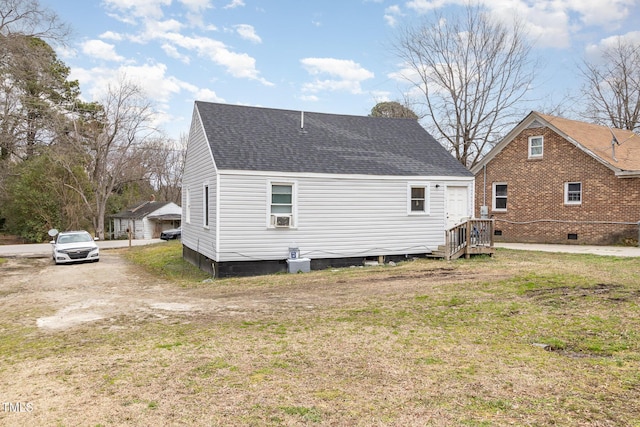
(281, 220)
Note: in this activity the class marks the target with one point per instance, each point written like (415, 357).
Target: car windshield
(74, 238)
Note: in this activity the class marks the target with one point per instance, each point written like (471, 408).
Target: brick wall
(536, 209)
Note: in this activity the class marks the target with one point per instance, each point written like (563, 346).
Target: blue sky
(329, 56)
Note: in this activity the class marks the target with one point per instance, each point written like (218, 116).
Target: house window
(281, 205)
(499, 196)
(205, 199)
(572, 193)
(418, 197)
(187, 204)
(535, 146)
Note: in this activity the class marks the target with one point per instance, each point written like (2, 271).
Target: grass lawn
(523, 338)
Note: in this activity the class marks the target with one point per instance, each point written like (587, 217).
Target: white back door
(457, 205)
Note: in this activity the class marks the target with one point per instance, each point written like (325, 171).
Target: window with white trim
(573, 193)
(536, 146)
(418, 198)
(281, 205)
(499, 196)
(205, 205)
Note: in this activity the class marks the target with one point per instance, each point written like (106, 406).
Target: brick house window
(536, 145)
(499, 196)
(572, 193)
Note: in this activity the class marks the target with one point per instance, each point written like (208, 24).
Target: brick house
(553, 180)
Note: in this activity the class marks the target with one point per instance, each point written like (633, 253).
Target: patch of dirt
(74, 294)
(606, 291)
(80, 293)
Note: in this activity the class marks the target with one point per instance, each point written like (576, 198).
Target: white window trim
(427, 198)
(493, 197)
(187, 204)
(566, 194)
(206, 204)
(294, 204)
(536, 156)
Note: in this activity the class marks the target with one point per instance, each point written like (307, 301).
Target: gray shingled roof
(265, 139)
(140, 211)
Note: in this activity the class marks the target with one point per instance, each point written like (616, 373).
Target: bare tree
(167, 167)
(29, 18)
(472, 71)
(110, 136)
(612, 86)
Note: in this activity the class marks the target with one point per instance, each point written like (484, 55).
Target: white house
(258, 181)
(146, 220)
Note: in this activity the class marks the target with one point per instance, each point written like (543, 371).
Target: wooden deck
(473, 237)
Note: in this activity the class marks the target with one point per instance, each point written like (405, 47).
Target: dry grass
(519, 339)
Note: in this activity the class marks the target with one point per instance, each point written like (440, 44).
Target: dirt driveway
(86, 292)
(63, 296)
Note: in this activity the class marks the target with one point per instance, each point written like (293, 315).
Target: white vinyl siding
(336, 217)
(199, 168)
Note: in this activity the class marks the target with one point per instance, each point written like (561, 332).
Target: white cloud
(101, 50)
(345, 75)
(391, 15)
(381, 96)
(551, 23)
(238, 65)
(207, 95)
(155, 30)
(173, 52)
(234, 4)
(110, 35)
(66, 52)
(196, 5)
(247, 32)
(424, 6)
(309, 98)
(137, 8)
(601, 13)
(593, 51)
(159, 87)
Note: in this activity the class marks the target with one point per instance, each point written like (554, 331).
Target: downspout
(484, 185)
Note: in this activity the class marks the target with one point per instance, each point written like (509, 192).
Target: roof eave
(627, 174)
(505, 141)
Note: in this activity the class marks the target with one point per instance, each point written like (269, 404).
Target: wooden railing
(475, 236)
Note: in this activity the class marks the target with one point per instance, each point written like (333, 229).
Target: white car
(74, 246)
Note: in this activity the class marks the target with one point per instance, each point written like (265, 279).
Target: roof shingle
(264, 139)
(140, 211)
(597, 139)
